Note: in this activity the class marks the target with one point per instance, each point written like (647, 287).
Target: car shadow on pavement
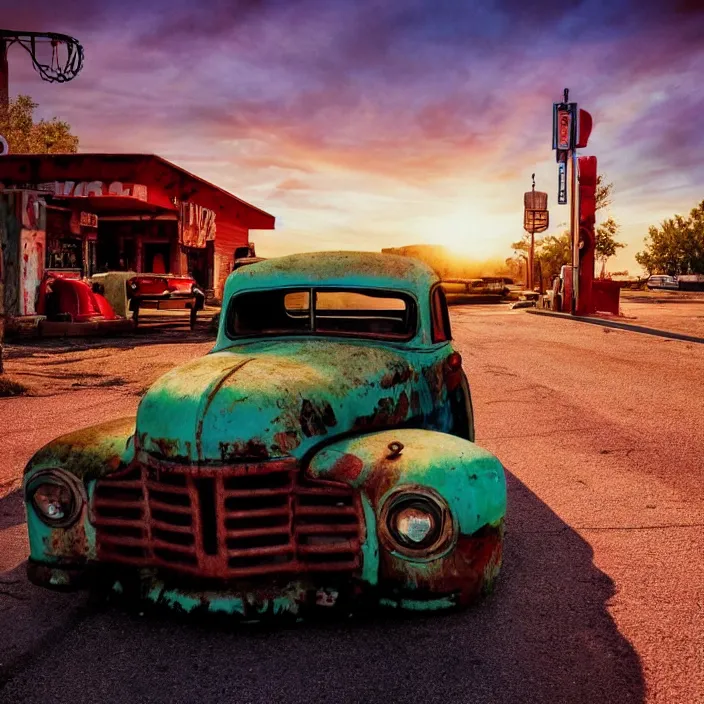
(11, 511)
(545, 635)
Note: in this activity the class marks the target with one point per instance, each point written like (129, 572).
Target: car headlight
(56, 496)
(416, 523)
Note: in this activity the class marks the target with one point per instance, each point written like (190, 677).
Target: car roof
(365, 269)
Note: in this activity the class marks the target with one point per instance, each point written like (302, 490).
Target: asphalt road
(601, 597)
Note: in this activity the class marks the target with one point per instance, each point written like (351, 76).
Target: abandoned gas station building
(133, 212)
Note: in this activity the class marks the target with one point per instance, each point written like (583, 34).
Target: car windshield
(372, 313)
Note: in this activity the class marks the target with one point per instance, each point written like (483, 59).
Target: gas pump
(587, 212)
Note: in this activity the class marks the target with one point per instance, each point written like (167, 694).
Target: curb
(619, 326)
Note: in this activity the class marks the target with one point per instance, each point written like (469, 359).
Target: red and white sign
(32, 252)
(89, 220)
(86, 189)
(196, 225)
(564, 129)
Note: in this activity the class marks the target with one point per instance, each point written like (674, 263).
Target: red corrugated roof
(39, 168)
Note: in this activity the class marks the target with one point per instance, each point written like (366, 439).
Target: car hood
(277, 399)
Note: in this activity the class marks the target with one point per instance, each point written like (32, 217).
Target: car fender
(87, 454)
(469, 479)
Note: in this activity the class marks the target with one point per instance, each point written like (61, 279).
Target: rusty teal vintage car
(321, 455)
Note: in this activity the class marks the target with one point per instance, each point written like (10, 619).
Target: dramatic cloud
(365, 124)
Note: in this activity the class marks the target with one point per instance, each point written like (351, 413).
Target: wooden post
(4, 110)
(4, 77)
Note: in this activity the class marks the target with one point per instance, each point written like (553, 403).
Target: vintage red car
(164, 292)
(71, 306)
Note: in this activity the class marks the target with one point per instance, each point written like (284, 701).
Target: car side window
(440, 316)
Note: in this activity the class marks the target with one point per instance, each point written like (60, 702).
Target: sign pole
(531, 252)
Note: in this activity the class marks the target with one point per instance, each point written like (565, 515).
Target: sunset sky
(367, 124)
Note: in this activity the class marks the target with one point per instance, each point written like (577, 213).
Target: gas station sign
(571, 129)
(563, 137)
(536, 216)
(562, 183)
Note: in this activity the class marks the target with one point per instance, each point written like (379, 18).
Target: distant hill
(435, 256)
(448, 265)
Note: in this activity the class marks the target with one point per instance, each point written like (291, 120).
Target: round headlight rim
(58, 477)
(413, 501)
(447, 534)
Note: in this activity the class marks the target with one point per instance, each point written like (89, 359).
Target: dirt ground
(130, 362)
(79, 382)
(673, 311)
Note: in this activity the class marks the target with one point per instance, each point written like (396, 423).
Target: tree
(25, 136)
(520, 256)
(677, 246)
(553, 252)
(604, 193)
(605, 244)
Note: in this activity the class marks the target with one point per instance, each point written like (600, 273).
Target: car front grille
(231, 522)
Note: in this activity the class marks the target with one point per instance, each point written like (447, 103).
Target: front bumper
(296, 598)
(460, 578)
(168, 301)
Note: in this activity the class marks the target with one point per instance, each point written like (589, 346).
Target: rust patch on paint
(315, 420)
(236, 451)
(466, 571)
(347, 468)
(388, 412)
(68, 543)
(167, 447)
(435, 379)
(397, 376)
(287, 440)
